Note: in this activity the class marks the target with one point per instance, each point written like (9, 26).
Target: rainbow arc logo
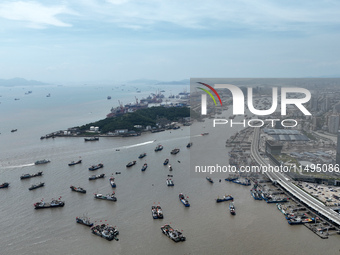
(204, 97)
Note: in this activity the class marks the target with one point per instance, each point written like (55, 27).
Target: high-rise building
(314, 103)
(337, 160)
(333, 124)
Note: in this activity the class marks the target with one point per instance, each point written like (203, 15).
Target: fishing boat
(142, 155)
(96, 167)
(109, 197)
(43, 161)
(26, 176)
(84, 220)
(91, 139)
(166, 162)
(173, 234)
(77, 189)
(36, 186)
(112, 182)
(169, 182)
(183, 200)
(54, 203)
(75, 162)
(189, 145)
(209, 179)
(225, 198)
(159, 148)
(105, 231)
(174, 151)
(4, 185)
(154, 212)
(232, 208)
(145, 166)
(130, 164)
(159, 212)
(94, 177)
(170, 167)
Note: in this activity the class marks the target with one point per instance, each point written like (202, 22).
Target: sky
(119, 40)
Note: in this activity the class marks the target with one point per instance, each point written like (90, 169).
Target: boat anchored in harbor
(105, 231)
(84, 221)
(94, 177)
(145, 166)
(173, 234)
(109, 197)
(96, 167)
(174, 151)
(232, 208)
(130, 164)
(77, 189)
(169, 182)
(142, 155)
(209, 179)
(184, 200)
(54, 203)
(225, 198)
(159, 148)
(27, 176)
(75, 162)
(91, 139)
(36, 186)
(112, 182)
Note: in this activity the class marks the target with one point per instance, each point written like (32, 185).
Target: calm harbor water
(257, 228)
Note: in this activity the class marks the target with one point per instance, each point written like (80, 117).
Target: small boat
(94, 177)
(166, 162)
(77, 189)
(118, 172)
(130, 164)
(189, 145)
(14, 130)
(170, 175)
(36, 186)
(174, 151)
(159, 212)
(108, 97)
(145, 166)
(4, 185)
(142, 155)
(54, 203)
(154, 212)
(43, 161)
(112, 182)
(75, 162)
(26, 176)
(225, 198)
(84, 220)
(170, 167)
(105, 231)
(232, 208)
(159, 148)
(173, 234)
(48, 95)
(204, 134)
(109, 197)
(209, 179)
(169, 182)
(183, 200)
(91, 139)
(96, 167)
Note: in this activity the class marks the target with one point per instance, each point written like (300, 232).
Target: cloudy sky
(117, 40)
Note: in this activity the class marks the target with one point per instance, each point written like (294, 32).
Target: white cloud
(34, 14)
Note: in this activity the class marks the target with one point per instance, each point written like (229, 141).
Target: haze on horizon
(119, 40)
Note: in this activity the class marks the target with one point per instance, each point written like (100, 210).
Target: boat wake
(138, 144)
(24, 165)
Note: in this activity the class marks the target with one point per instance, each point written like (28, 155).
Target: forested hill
(143, 117)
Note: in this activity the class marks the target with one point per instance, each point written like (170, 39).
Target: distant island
(152, 119)
(20, 82)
